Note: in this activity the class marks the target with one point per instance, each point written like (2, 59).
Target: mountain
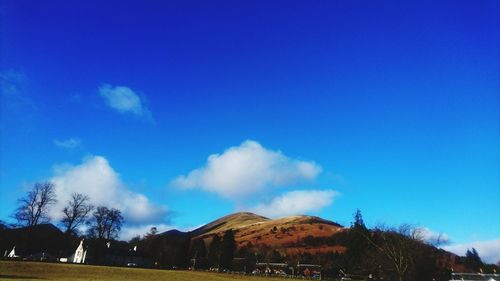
(3, 226)
(288, 235)
(324, 241)
(232, 221)
(38, 238)
(293, 239)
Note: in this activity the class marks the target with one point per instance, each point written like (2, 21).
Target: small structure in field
(12, 253)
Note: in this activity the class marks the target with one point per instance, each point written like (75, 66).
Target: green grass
(16, 270)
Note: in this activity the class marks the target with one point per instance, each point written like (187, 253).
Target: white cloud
(488, 250)
(433, 237)
(296, 202)
(124, 100)
(97, 179)
(129, 232)
(70, 143)
(246, 169)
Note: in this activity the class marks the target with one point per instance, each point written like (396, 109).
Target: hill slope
(43, 237)
(232, 221)
(283, 234)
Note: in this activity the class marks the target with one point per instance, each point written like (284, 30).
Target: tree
(214, 251)
(99, 222)
(472, 260)
(76, 212)
(106, 223)
(135, 240)
(115, 219)
(358, 220)
(397, 247)
(358, 248)
(33, 209)
(274, 256)
(199, 249)
(152, 244)
(152, 233)
(227, 250)
(250, 260)
(198, 254)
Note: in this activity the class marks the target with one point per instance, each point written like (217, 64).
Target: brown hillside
(284, 234)
(232, 221)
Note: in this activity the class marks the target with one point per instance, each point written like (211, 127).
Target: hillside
(283, 234)
(43, 237)
(232, 221)
(293, 239)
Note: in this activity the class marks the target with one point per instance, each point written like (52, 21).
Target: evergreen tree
(472, 260)
(357, 245)
(228, 248)
(182, 258)
(199, 249)
(250, 261)
(152, 245)
(358, 220)
(274, 256)
(214, 251)
(198, 254)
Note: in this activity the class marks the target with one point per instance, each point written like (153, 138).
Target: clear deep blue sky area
(179, 112)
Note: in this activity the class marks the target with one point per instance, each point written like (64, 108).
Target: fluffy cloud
(488, 250)
(70, 143)
(245, 169)
(97, 179)
(124, 100)
(296, 203)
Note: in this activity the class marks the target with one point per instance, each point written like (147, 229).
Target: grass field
(13, 270)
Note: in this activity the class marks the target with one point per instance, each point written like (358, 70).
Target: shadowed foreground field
(11, 270)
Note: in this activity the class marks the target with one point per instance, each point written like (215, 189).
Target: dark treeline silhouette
(384, 253)
(33, 235)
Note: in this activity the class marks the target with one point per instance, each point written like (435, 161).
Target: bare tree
(76, 212)
(397, 246)
(115, 219)
(98, 223)
(106, 223)
(433, 239)
(33, 209)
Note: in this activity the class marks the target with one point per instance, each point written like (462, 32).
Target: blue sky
(391, 107)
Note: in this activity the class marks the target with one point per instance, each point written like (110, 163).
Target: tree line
(100, 222)
(386, 253)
